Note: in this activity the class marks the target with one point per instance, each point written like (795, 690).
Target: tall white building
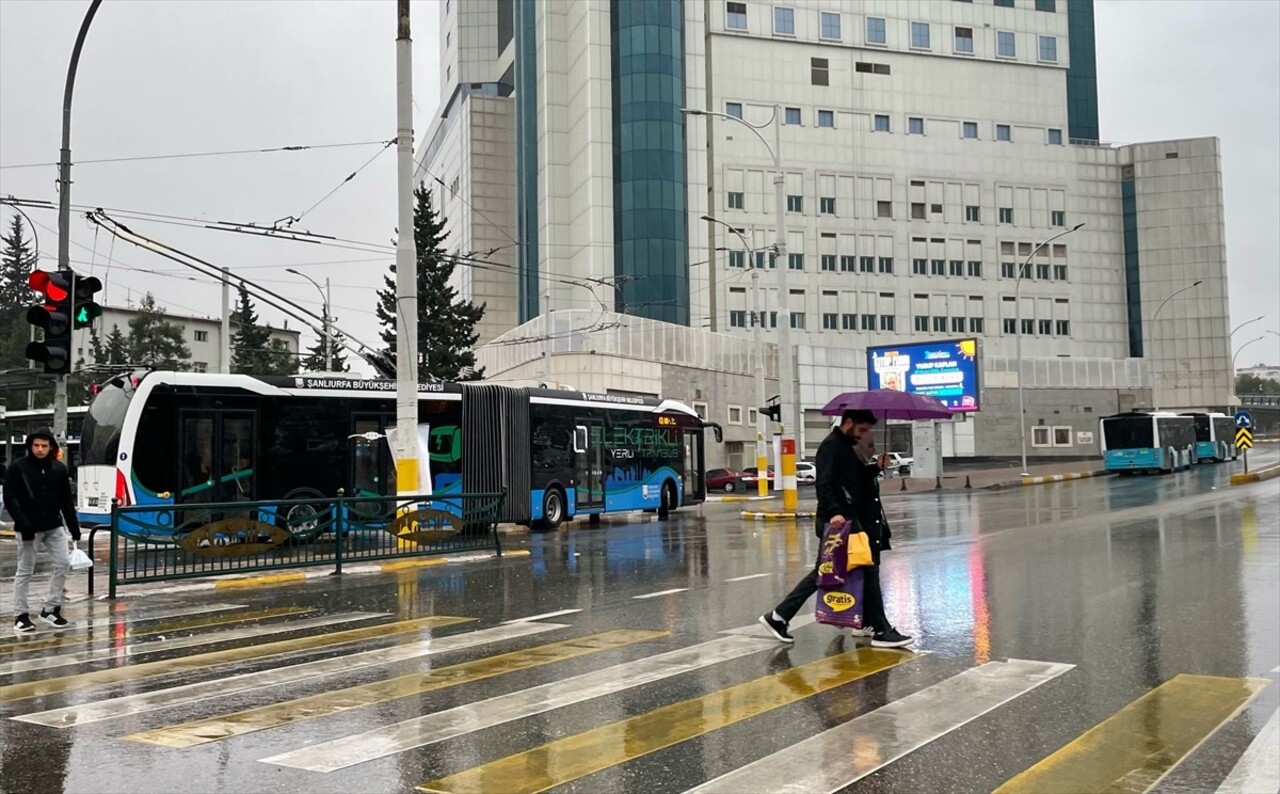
(928, 147)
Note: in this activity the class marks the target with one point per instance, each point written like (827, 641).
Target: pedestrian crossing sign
(1244, 438)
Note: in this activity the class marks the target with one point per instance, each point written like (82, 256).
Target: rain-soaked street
(1110, 634)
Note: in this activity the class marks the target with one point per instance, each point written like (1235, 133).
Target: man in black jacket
(848, 490)
(37, 494)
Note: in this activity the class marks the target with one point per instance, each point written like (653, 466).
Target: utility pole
(224, 338)
(64, 213)
(406, 267)
(328, 328)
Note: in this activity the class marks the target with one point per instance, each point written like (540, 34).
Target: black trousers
(872, 598)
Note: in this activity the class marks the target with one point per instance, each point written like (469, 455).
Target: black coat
(37, 494)
(846, 486)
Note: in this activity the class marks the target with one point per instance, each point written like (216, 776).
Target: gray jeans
(55, 543)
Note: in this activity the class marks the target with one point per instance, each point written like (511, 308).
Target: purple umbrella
(889, 404)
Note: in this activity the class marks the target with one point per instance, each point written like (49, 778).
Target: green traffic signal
(87, 313)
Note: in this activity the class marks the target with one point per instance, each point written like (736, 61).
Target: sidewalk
(995, 478)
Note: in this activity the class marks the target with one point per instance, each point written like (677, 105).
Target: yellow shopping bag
(858, 550)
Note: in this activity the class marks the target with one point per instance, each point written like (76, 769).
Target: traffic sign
(1244, 419)
(1244, 438)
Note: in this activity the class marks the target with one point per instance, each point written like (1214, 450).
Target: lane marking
(756, 630)
(750, 576)
(124, 618)
(156, 646)
(1276, 669)
(1259, 768)
(573, 757)
(830, 761)
(661, 593)
(544, 616)
(462, 720)
(203, 621)
(1137, 746)
(191, 734)
(259, 581)
(203, 661)
(247, 682)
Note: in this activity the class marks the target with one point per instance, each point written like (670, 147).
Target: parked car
(726, 480)
(751, 476)
(806, 472)
(899, 464)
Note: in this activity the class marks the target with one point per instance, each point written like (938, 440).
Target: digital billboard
(947, 370)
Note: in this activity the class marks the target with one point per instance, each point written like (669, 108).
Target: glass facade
(1082, 75)
(1132, 277)
(526, 79)
(649, 188)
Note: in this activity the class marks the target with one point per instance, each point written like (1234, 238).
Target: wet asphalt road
(1148, 607)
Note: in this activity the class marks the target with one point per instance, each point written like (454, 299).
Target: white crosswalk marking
(352, 750)
(1258, 769)
(127, 617)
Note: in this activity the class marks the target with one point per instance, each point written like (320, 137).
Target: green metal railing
(156, 543)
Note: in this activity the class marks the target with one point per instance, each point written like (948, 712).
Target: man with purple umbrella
(848, 490)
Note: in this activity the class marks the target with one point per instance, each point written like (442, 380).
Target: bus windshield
(1130, 432)
(100, 436)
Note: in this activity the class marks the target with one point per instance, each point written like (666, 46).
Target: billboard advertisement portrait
(947, 370)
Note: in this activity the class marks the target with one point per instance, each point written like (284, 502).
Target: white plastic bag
(79, 560)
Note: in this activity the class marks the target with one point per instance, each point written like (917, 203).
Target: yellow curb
(774, 516)
(517, 553)
(1255, 476)
(741, 499)
(1078, 475)
(259, 581)
(408, 565)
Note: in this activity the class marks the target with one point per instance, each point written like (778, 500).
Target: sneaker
(22, 624)
(777, 628)
(865, 631)
(890, 638)
(54, 618)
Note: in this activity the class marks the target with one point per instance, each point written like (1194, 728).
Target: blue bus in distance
(1140, 441)
(1215, 437)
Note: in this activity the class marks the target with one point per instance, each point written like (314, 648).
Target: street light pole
(1017, 327)
(757, 341)
(324, 302)
(786, 370)
(1232, 392)
(406, 266)
(1155, 404)
(1237, 354)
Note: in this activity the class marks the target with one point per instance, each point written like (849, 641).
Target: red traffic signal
(53, 316)
(54, 286)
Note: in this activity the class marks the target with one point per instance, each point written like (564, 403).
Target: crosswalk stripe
(216, 729)
(573, 757)
(203, 661)
(204, 621)
(1259, 768)
(437, 727)
(672, 591)
(142, 702)
(124, 617)
(155, 646)
(831, 761)
(1134, 748)
(545, 615)
(756, 630)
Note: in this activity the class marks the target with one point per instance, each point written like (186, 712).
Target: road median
(1267, 473)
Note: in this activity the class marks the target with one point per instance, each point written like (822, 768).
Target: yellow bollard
(762, 467)
(790, 499)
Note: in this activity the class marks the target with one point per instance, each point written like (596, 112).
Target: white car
(806, 473)
(899, 464)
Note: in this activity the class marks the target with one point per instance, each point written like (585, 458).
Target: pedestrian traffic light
(774, 412)
(53, 317)
(86, 308)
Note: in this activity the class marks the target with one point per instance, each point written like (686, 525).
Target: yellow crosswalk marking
(70, 683)
(568, 759)
(275, 715)
(1132, 749)
(113, 633)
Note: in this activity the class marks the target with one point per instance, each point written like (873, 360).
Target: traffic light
(774, 412)
(86, 308)
(53, 316)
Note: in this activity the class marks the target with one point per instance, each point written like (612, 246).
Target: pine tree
(113, 351)
(253, 351)
(154, 341)
(315, 359)
(446, 324)
(17, 261)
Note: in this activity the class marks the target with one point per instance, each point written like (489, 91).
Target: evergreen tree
(446, 324)
(253, 351)
(315, 359)
(114, 351)
(154, 341)
(17, 260)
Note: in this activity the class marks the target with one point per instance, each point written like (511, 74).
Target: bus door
(217, 451)
(695, 487)
(372, 469)
(589, 462)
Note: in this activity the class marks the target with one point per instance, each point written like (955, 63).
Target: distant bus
(1140, 441)
(168, 438)
(1215, 437)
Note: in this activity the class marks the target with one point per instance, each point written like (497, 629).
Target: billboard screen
(947, 370)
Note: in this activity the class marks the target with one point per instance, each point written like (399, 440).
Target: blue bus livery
(1215, 437)
(1140, 441)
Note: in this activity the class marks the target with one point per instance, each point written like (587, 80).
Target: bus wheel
(552, 509)
(668, 501)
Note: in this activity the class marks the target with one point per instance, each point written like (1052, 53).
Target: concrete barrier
(1268, 473)
(1075, 475)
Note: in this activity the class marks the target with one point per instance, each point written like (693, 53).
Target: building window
(917, 211)
(199, 366)
(773, 319)
(1057, 218)
(760, 260)
(957, 267)
(1063, 327)
(737, 319)
(975, 325)
(940, 325)
(827, 205)
(826, 118)
(920, 35)
(735, 414)
(886, 264)
(1049, 49)
(922, 324)
(868, 322)
(1004, 3)
(797, 320)
(881, 123)
(915, 126)
(1010, 326)
(733, 109)
(973, 213)
(975, 269)
(964, 40)
(795, 261)
(920, 267)
(1042, 272)
(791, 116)
(875, 30)
(971, 129)
(1040, 436)
(848, 322)
(867, 264)
(1055, 137)
(884, 209)
(1045, 327)
(1046, 5)
(830, 26)
(1028, 327)
(1005, 44)
(1006, 214)
(938, 267)
(735, 200)
(819, 71)
(830, 321)
(829, 263)
(957, 325)
(735, 16)
(847, 265)
(886, 322)
(737, 259)
(202, 336)
(1003, 133)
(784, 21)
(1060, 272)
(795, 203)
(1008, 270)
(872, 68)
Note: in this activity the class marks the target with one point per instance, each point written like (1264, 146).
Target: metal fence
(154, 543)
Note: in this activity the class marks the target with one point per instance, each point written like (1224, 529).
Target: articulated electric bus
(1141, 441)
(169, 438)
(1215, 437)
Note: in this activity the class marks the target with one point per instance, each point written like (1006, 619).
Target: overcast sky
(196, 76)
